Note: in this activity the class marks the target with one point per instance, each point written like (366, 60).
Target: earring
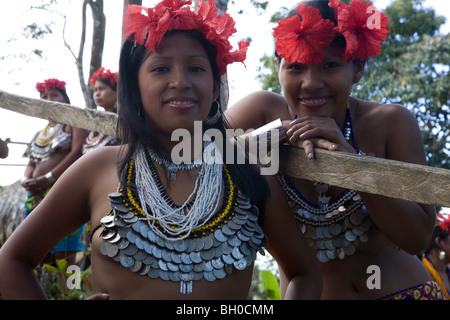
(210, 120)
(442, 255)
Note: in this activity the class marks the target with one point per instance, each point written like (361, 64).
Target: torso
(111, 277)
(348, 278)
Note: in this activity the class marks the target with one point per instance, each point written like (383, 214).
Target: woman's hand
(320, 132)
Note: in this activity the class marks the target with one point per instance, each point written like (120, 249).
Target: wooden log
(395, 179)
(84, 118)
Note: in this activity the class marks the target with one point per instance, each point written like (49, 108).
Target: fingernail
(311, 155)
(289, 132)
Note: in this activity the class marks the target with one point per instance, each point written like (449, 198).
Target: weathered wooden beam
(85, 118)
(395, 179)
(384, 177)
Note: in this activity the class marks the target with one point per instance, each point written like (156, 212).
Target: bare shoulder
(381, 112)
(256, 109)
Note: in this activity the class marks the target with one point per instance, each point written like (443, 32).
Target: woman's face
(176, 84)
(53, 95)
(104, 96)
(321, 89)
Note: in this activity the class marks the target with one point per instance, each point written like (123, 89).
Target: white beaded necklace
(179, 222)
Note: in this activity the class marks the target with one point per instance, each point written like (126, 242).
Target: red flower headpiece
(149, 29)
(304, 40)
(107, 75)
(444, 223)
(50, 84)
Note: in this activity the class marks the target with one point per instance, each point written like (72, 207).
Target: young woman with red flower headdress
(321, 50)
(104, 83)
(167, 230)
(436, 257)
(52, 150)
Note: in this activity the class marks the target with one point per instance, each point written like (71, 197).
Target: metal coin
(364, 238)
(237, 254)
(329, 244)
(180, 246)
(218, 234)
(217, 263)
(144, 270)
(207, 254)
(219, 273)
(136, 266)
(131, 236)
(227, 231)
(240, 264)
(131, 250)
(208, 266)
(148, 248)
(186, 267)
(233, 226)
(199, 244)
(357, 217)
(114, 195)
(350, 236)
(120, 223)
(149, 260)
(111, 250)
(174, 276)
(349, 250)
(157, 252)
(331, 254)
(185, 258)
(139, 243)
(244, 248)
(103, 248)
(151, 236)
(209, 276)
(335, 229)
(191, 245)
(166, 255)
(160, 242)
(131, 220)
(140, 255)
(123, 232)
(322, 257)
(119, 207)
(208, 242)
(357, 232)
(164, 275)
(228, 259)
(176, 257)
(219, 250)
(199, 267)
(126, 261)
(143, 230)
(234, 241)
(163, 265)
(153, 273)
(127, 215)
(107, 220)
(244, 204)
(109, 234)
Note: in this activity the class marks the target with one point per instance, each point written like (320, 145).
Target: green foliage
(53, 279)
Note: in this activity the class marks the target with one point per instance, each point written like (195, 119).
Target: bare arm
(62, 211)
(289, 248)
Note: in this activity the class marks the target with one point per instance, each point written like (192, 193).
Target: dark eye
(196, 69)
(330, 65)
(160, 69)
(296, 66)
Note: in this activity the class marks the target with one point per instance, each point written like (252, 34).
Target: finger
(99, 296)
(308, 146)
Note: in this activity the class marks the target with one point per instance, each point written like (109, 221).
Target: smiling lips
(314, 101)
(181, 102)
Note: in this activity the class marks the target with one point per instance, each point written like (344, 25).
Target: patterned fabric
(425, 291)
(73, 242)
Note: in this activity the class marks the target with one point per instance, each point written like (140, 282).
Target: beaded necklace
(227, 240)
(335, 226)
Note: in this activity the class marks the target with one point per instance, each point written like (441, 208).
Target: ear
(216, 90)
(359, 70)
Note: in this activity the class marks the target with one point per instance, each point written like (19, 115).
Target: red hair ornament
(50, 84)
(303, 40)
(444, 223)
(147, 26)
(107, 75)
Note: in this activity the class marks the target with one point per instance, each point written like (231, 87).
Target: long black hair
(134, 130)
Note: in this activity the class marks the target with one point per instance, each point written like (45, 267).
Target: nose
(312, 79)
(180, 79)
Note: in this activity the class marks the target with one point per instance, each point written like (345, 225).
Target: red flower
(106, 75)
(304, 40)
(363, 28)
(50, 84)
(444, 223)
(149, 29)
